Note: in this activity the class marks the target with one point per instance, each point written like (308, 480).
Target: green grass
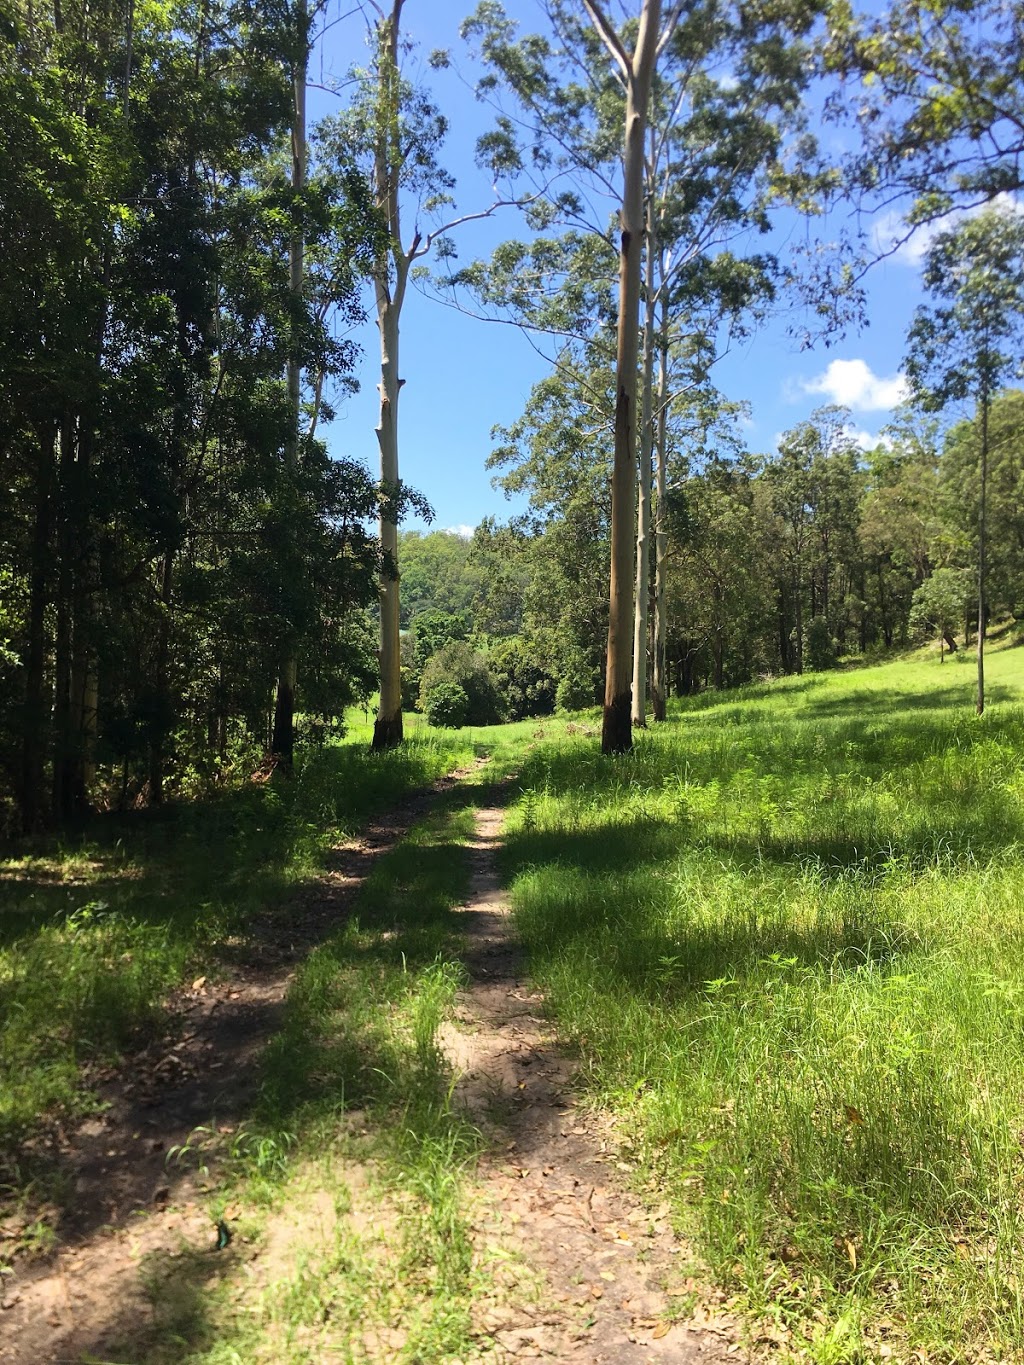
(96, 931)
(354, 1081)
(786, 937)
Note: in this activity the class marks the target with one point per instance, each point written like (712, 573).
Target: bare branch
(609, 37)
(670, 27)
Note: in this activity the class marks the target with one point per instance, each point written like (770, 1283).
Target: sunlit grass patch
(355, 1086)
(785, 935)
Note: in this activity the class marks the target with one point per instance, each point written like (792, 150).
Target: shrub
(577, 686)
(445, 704)
(819, 646)
(459, 663)
(527, 688)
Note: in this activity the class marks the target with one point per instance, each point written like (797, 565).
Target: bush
(819, 646)
(577, 686)
(526, 687)
(433, 629)
(445, 705)
(459, 663)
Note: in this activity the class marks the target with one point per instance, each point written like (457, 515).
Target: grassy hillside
(786, 935)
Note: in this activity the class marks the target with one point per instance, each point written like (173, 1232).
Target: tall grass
(786, 936)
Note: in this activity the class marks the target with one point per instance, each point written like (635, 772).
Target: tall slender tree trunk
(643, 532)
(863, 625)
(34, 722)
(71, 639)
(798, 616)
(82, 765)
(980, 705)
(659, 674)
(283, 741)
(638, 69)
(62, 622)
(718, 658)
(158, 746)
(387, 729)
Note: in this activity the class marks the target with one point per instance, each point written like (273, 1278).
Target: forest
(703, 743)
(187, 568)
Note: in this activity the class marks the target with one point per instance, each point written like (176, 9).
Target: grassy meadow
(786, 936)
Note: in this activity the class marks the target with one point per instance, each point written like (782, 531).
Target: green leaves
(972, 338)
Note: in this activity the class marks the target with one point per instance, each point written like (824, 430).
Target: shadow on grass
(169, 864)
(335, 1047)
(86, 968)
(608, 886)
(939, 700)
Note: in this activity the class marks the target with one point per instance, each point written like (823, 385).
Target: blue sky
(463, 376)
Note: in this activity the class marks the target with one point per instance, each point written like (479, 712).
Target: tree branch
(609, 37)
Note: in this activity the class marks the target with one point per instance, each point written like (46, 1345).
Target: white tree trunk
(643, 532)
(387, 731)
(638, 69)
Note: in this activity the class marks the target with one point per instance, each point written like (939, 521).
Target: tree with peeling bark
(390, 281)
(724, 105)
(637, 69)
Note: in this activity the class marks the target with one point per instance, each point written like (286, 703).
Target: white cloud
(891, 228)
(462, 530)
(852, 384)
(864, 440)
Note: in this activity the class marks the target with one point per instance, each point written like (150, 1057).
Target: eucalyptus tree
(637, 65)
(969, 342)
(724, 105)
(394, 131)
